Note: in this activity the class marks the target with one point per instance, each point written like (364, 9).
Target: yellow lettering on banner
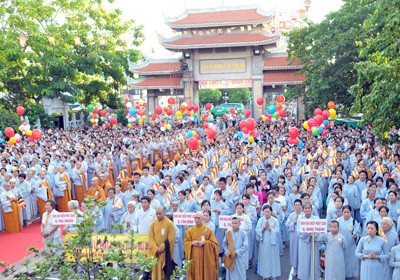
(117, 242)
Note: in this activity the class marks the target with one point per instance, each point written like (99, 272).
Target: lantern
(102, 42)
(301, 13)
(77, 41)
(51, 41)
(22, 41)
(307, 3)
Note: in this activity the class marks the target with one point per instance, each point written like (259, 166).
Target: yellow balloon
(332, 113)
(12, 141)
(305, 125)
(194, 133)
(178, 113)
(92, 120)
(251, 139)
(165, 125)
(129, 125)
(29, 133)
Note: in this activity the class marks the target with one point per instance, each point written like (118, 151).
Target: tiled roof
(219, 19)
(280, 62)
(158, 68)
(223, 40)
(282, 77)
(163, 82)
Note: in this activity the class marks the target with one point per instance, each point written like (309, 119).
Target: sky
(154, 13)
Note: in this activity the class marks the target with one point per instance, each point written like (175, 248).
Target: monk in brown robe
(11, 211)
(160, 231)
(158, 162)
(95, 190)
(201, 245)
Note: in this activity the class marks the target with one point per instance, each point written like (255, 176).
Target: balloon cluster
(135, 112)
(248, 127)
(96, 115)
(210, 130)
(321, 122)
(165, 126)
(193, 141)
(275, 111)
(294, 138)
(24, 128)
(187, 112)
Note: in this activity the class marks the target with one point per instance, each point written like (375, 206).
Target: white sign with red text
(184, 219)
(317, 225)
(225, 221)
(65, 218)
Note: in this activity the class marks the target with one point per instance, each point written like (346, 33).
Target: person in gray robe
(241, 242)
(334, 253)
(291, 225)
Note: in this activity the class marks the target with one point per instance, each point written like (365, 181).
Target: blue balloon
(1, 140)
(195, 121)
(105, 120)
(326, 122)
(300, 144)
(116, 116)
(243, 117)
(240, 134)
(271, 109)
(320, 130)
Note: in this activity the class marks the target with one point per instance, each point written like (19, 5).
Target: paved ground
(285, 268)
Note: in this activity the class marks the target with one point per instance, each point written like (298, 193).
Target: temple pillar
(151, 102)
(257, 83)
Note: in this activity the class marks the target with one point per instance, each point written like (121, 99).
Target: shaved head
(160, 213)
(198, 218)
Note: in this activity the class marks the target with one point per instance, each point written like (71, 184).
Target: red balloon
(294, 132)
(278, 107)
(171, 100)
(36, 134)
(205, 125)
(255, 134)
(211, 133)
(260, 101)
(280, 98)
(158, 110)
(251, 123)
(317, 112)
(193, 143)
(190, 107)
(96, 110)
(208, 106)
(311, 122)
(195, 108)
(30, 139)
(232, 110)
(247, 113)
(295, 141)
(242, 124)
(324, 132)
(103, 113)
(290, 141)
(107, 125)
(282, 113)
(9, 132)
(20, 110)
(126, 99)
(113, 120)
(245, 130)
(325, 114)
(169, 112)
(197, 136)
(309, 131)
(331, 105)
(318, 119)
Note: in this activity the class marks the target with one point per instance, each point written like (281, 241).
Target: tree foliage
(377, 88)
(51, 64)
(329, 53)
(239, 95)
(209, 96)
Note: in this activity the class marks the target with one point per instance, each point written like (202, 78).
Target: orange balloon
(183, 108)
(278, 107)
(331, 104)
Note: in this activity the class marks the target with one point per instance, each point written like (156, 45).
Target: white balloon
(129, 104)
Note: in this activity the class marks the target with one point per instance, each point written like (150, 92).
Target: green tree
(239, 95)
(53, 63)
(377, 88)
(328, 52)
(209, 96)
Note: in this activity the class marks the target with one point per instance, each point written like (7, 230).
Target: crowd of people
(267, 186)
